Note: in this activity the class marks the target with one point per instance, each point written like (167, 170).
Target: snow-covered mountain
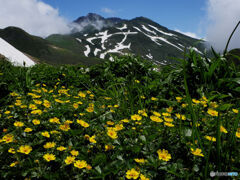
(140, 36)
(96, 39)
(13, 55)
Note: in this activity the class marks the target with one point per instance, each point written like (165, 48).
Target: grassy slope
(42, 49)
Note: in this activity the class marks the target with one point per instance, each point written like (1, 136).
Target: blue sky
(184, 15)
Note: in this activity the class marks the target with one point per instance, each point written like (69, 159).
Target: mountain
(140, 36)
(92, 22)
(94, 39)
(42, 50)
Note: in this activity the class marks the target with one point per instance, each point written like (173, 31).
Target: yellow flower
(125, 120)
(36, 122)
(14, 164)
(37, 102)
(170, 109)
(64, 127)
(222, 129)
(49, 145)
(32, 106)
(75, 105)
(156, 119)
(168, 124)
(197, 152)
(110, 123)
(142, 97)
(156, 114)
(132, 174)
(142, 177)
(88, 167)
(195, 101)
(11, 150)
(69, 159)
(213, 104)
(109, 147)
(184, 105)
(54, 120)
(38, 111)
(164, 155)
(46, 103)
(81, 94)
(49, 157)
(118, 127)
(154, 99)
(137, 81)
(82, 123)
(210, 138)
(140, 161)
(92, 139)
(8, 138)
(168, 119)
(107, 98)
(79, 102)
(46, 134)
(18, 124)
(80, 164)
(61, 148)
(54, 132)
(235, 111)
(74, 153)
(90, 109)
(166, 114)
(7, 112)
(81, 114)
(27, 130)
(136, 117)
(112, 134)
(178, 99)
(212, 112)
(14, 94)
(68, 122)
(26, 149)
(238, 133)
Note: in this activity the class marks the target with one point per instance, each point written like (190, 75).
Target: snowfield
(15, 56)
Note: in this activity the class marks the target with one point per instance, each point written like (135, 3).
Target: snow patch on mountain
(87, 51)
(149, 56)
(96, 51)
(165, 33)
(79, 40)
(15, 56)
(146, 29)
(122, 28)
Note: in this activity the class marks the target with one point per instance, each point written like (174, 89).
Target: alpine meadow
(129, 99)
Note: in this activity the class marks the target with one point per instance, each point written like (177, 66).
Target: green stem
(218, 143)
(225, 51)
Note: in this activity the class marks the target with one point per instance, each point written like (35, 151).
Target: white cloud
(107, 11)
(222, 17)
(34, 16)
(191, 34)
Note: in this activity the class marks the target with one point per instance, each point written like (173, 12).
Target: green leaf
(98, 169)
(224, 107)
(143, 138)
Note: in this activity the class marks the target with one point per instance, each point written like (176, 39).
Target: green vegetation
(126, 119)
(43, 50)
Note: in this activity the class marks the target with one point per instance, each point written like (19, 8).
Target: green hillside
(42, 49)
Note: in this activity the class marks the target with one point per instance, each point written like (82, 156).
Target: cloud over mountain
(34, 16)
(222, 17)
